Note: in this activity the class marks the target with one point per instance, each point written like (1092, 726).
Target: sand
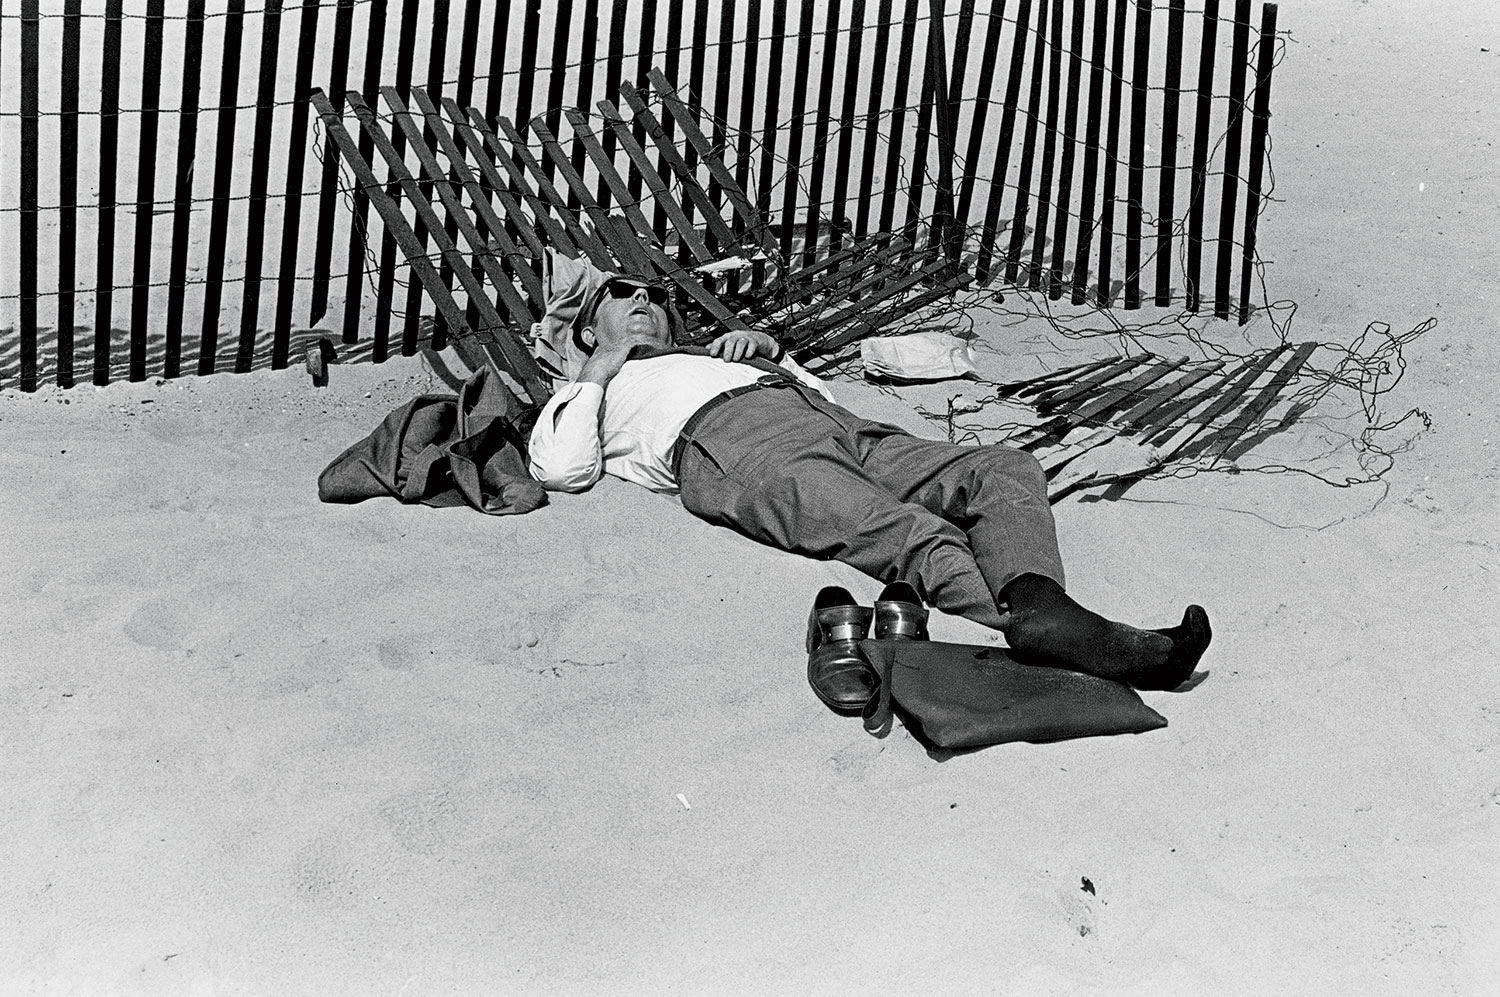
(252, 744)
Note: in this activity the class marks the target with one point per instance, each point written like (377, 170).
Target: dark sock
(1046, 626)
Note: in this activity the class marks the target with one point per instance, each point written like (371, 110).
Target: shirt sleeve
(795, 369)
(565, 451)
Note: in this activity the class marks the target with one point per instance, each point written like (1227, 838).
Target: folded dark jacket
(444, 450)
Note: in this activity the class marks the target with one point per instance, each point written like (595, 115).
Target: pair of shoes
(836, 667)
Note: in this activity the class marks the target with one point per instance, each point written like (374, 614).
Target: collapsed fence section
(193, 217)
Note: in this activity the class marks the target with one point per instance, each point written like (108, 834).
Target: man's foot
(1046, 625)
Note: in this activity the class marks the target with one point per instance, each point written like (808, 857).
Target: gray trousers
(783, 465)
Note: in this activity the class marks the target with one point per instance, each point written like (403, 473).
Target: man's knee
(1008, 463)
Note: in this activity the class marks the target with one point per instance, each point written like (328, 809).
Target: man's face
(628, 310)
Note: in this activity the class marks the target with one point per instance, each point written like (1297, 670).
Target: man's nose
(641, 294)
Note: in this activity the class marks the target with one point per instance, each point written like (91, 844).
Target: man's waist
(713, 404)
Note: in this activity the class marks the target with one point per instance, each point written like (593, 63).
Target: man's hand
(744, 343)
(606, 361)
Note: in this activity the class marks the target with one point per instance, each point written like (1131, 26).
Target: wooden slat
(822, 337)
(802, 66)
(770, 125)
(896, 130)
(531, 33)
(354, 279)
(1091, 152)
(1259, 124)
(1166, 211)
(517, 311)
(671, 58)
(749, 75)
(990, 234)
(1069, 154)
(934, 50)
(614, 70)
(983, 88)
(1202, 136)
(822, 125)
(109, 140)
(1044, 382)
(1035, 262)
(499, 45)
(260, 169)
(31, 62)
(338, 82)
(848, 108)
(724, 75)
(519, 362)
(145, 189)
(1240, 57)
(291, 224)
(1028, 149)
(1135, 185)
(875, 85)
(67, 169)
(1111, 158)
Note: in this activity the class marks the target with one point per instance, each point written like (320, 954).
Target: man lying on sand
(751, 441)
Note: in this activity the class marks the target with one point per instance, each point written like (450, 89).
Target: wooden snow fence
(481, 203)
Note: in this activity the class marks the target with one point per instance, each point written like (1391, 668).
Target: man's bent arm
(565, 453)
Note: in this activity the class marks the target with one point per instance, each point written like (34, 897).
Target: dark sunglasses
(623, 289)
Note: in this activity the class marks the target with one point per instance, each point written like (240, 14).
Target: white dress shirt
(629, 431)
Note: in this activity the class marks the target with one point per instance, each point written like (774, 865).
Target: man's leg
(773, 466)
(998, 495)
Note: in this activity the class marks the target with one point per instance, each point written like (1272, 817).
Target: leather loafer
(836, 667)
(899, 614)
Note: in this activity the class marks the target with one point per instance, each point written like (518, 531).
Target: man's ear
(587, 337)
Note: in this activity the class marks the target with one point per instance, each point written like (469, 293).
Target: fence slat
(1240, 57)
(588, 55)
(531, 31)
(821, 126)
(1091, 153)
(671, 61)
(499, 40)
(437, 50)
(1069, 154)
(982, 101)
(67, 234)
(933, 52)
(1106, 293)
(770, 126)
(145, 189)
(260, 168)
(723, 81)
(516, 222)
(645, 41)
(896, 131)
(1259, 124)
(614, 69)
(1166, 195)
(109, 141)
(1028, 149)
(749, 69)
(358, 236)
(802, 65)
(338, 82)
(990, 234)
(291, 223)
(846, 126)
(873, 109)
(586, 137)
(31, 17)
(1201, 138)
(1136, 176)
(1044, 196)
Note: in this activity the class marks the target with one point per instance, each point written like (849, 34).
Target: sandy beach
(254, 744)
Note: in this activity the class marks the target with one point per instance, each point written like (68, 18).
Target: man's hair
(676, 326)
